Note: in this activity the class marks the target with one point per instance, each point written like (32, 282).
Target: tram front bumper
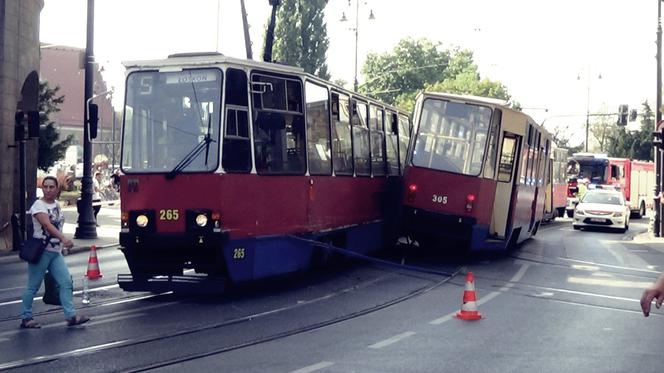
(423, 223)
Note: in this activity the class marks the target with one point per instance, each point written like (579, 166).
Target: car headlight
(617, 214)
(201, 220)
(579, 212)
(142, 221)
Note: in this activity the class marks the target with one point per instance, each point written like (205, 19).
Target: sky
(549, 54)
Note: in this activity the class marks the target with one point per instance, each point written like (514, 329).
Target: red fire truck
(635, 179)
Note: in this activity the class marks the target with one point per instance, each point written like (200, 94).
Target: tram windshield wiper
(191, 156)
(193, 153)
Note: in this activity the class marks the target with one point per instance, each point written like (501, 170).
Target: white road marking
(609, 265)
(517, 276)
(313, 368)
(75, 293)
(392, 340)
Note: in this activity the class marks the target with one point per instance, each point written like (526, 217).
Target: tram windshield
(452, 137)
(171, 121)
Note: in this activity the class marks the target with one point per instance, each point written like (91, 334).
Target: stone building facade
(19, 85)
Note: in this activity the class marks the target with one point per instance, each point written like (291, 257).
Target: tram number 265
(169, 214)
(439, 199)
(238, 253)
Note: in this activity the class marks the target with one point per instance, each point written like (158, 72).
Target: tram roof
(469, 98)
(213, 58)
(208, 59)
(504, 104)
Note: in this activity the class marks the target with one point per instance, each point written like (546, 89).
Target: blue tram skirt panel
(263, 257)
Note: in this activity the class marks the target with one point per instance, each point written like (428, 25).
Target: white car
(602, 208)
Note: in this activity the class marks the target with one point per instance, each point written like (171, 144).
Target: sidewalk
(108, 232)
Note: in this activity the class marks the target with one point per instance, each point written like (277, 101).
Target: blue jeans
(55, 263)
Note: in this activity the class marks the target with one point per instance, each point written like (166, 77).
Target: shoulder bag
(32, 250)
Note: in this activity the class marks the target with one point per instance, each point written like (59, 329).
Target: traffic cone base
(469, 307)
(93, 271)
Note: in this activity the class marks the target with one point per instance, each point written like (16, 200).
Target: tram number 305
(439, 199)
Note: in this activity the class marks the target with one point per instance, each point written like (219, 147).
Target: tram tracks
(218, 327)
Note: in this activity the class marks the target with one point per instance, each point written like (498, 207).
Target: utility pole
(245, 24)
(657, 224)
(87, 226)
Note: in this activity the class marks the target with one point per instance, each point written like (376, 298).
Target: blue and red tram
(475, 173)
(232, 167)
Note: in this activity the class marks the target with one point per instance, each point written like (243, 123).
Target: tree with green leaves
(50, 150)
(300, 36)
(603, 129)
(414, 65)
(410, 66)
(635, 144)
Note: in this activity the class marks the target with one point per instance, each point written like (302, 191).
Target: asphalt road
(564, 301)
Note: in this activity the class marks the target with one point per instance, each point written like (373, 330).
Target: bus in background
(634, 178)
(555, 199)
(474, 174)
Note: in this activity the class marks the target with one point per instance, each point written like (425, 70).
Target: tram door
(506, 184)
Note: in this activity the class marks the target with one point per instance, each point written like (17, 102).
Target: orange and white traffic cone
(469, 308)
(93, 272)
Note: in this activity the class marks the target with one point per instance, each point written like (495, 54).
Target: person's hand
(68, 243)
(656, 291)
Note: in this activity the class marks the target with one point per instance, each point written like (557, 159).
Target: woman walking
(48, 221)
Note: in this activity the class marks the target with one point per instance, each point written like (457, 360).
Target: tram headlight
(142, 221)
(201, 220)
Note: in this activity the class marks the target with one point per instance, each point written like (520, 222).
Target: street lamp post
(588, 106)
(658, 228)
(87, 227)
(356, 29)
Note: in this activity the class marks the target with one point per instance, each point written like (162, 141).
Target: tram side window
(361, 150)
(392, 143)
(318, 130)
(507, 159)
(377, 141)
(278, 125)
(404, 138)
(342, 146)
(236, 156)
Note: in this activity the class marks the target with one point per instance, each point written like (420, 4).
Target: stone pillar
(19, 63)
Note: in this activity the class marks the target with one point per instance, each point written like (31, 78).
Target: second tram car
(474, 174)
(556, 184)
(234, 167)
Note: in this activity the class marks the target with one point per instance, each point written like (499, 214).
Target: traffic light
(633, 114)
(19, 127)
(33, 124)
(93, 114)
(622, 115)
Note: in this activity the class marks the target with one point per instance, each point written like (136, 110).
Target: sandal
(29, 324)
(77, 320)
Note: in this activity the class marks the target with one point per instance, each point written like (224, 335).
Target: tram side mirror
(93, 121)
